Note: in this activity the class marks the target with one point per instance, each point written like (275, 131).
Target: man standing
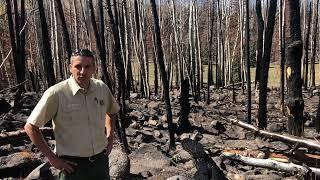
(82, 110)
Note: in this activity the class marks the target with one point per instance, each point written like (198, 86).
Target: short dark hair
(82, 52)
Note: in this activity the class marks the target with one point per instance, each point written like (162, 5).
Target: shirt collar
(74, 86)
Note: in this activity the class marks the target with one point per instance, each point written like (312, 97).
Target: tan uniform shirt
(78, 118)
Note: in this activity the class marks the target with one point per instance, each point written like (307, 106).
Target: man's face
(82, 68)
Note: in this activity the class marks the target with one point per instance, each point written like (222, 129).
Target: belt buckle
(91, 159)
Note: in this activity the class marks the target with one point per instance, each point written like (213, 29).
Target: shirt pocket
(72, 107)
(71, 112)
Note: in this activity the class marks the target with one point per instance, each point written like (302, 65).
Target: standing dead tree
(99, 38)
(294, 102)
(163, 73)
(306, 50)
(120, 83)
(248, 63)
(18, 45)
(46, 47)
(66, 36)
(268, 34)
(282, 55)
(315, 8)
(259, 52)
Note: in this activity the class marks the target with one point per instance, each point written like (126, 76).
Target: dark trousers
(96, 168)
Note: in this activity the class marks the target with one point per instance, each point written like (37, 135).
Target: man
(82, 110)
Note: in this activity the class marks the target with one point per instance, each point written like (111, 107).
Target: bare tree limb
(23, 28)
(13, 86)
(272, 164)
(287, 138)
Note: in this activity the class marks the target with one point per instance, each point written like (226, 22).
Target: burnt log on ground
(299, 141)
(9, 137)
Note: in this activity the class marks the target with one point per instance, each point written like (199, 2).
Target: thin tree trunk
(306, 50)
(282, 55)
(163, 73)
(99, 38)
(120, 88)
(314, 41)
(262, 113)
(248, 63)
(76, 31)
(260, 23)
(66, 36)
(210, 78)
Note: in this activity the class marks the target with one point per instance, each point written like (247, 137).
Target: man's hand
(109, 125)
(64, 165)
(37, 138)
(109, 145)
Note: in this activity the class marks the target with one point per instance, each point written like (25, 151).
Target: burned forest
(207, 89)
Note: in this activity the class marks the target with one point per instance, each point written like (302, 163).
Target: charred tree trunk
(248, 63)
(210, 77)
(120, 85)
(165, 82)
(66, 36)
(262, 113)
(18, 46)
(317, 119)
(294, 102)
(306, 51)
(100, 47)
(314, 41)
(184, 124)
(46, 47)
(282, 56)
(260, 23)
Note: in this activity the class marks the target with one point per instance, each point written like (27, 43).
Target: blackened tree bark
(282, 56)
(259, 42)
(183, 123)
(156, 80)
(314, 41)
(120, 83)
(163, 73)
(306, 50)
(46, 47)
(210, 77)
(66, 36)
(317, 119)
(262, 113)
(294, 102)
(18, 46)
(100, 48)
(248, 63)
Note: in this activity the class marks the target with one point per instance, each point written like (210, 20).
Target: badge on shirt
(98, 101)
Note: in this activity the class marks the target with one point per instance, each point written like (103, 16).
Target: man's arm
(37, 138)
(110, 126)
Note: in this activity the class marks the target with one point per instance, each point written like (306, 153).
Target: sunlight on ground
(273, 81)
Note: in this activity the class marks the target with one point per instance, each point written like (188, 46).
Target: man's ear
(70, 66)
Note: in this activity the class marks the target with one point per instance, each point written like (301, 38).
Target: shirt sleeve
(112, 105)
(45, 110)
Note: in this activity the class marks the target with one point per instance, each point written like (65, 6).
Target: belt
(90, 158)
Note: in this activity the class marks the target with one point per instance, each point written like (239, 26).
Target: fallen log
(297, 157)
(272, 164)
(9, 137)
(303, 142)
